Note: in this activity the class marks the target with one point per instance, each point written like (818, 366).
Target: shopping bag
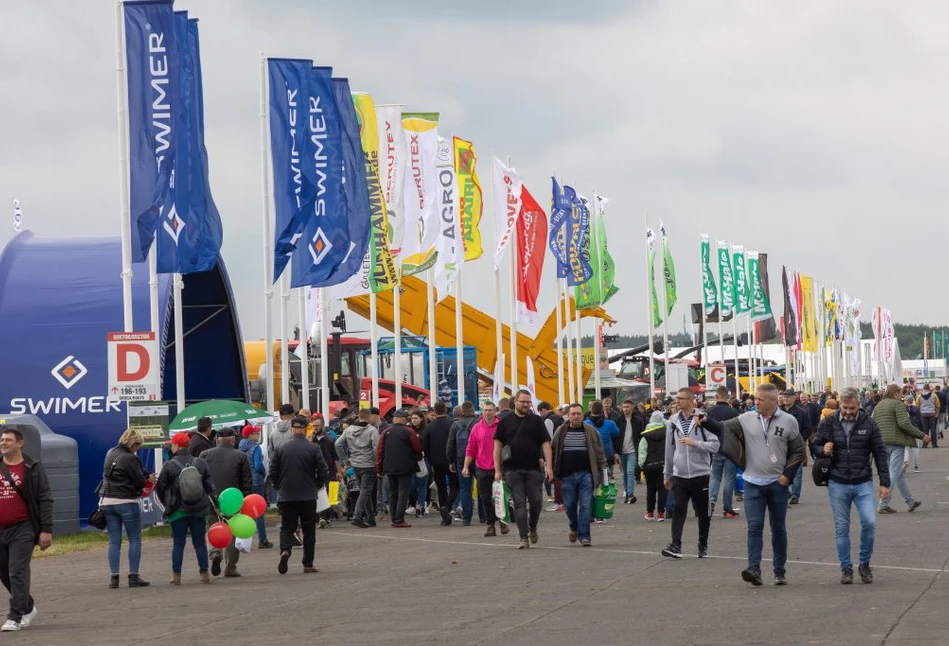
(501, 497)
(322, 501)
(422, 470)
(474, 489)
(334, 492)
(244, 545)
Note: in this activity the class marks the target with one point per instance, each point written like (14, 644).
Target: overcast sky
(814, 131)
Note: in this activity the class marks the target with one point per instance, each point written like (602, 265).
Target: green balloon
(230, 501)
(242, 526)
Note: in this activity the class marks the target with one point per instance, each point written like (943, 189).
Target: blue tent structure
(60, 297)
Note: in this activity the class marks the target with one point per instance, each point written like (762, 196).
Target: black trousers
(16, 553)
(302, 512)
(446, 483)
(399, 496)
(485, 478)
(696, 490)
(931, 428)
(655, 492)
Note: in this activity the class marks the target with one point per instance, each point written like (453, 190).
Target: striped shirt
(575, 454)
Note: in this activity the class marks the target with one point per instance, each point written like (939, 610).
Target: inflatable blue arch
(60, 297)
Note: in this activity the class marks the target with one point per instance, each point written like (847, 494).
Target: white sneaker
(9, 627)
(27, 619)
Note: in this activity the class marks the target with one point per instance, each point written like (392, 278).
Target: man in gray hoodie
(689, 451)
(358, 443)
(282, 433)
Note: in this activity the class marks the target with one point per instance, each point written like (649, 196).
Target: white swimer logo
(69, 371)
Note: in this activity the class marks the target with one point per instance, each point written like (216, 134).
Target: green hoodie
(895, 426)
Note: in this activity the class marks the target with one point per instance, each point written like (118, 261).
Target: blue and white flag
(355, 194)
(151, 55)
(579, 269)
(190, 233)
(557, 238)
(294, 185)
(325, 242)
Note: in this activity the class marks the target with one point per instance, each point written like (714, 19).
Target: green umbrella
(223, 412)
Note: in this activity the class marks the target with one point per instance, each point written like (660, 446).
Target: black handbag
(821, 470)
(506, 453)
(97, 519)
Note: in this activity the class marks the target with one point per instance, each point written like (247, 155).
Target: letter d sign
(133, 362)
(133, 367)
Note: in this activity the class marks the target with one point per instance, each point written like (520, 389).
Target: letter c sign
(715, 375)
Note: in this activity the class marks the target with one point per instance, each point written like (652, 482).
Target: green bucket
(604, 501)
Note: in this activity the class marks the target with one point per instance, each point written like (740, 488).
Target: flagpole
(305, 358)
(568, 313)
(560, 317)
(125, 226)
(665, 315)
(265, 215)
(581, 384)
(650, 309)
(153, 287)
(459, 332)
(512, 244)
(179, 344)
(597, 325)
(432, 348)
(704, 354)
(498, 341)
(397, 330)
(284, 346)
(374, 346)
(325, 369)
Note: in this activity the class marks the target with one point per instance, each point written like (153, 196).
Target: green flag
(742, 288)
(760, 307)
(726, 280)
(944, 347)
(937, 345)
(668, 271)
(600, 287)
(710, 293)
(651, 259)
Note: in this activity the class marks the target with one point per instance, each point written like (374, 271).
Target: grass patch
(90, 540)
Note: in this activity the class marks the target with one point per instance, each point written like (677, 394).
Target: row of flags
(170, 196)
(743, 286)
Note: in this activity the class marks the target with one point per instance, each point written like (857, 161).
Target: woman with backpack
(186, 489)
(123, 478)
(652, 461)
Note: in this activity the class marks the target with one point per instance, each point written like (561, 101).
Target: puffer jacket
(652, 448)
(852, 455)
(126, 479)
(896, 427)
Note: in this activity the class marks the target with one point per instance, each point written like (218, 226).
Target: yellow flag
(469, 192)
(808, 315)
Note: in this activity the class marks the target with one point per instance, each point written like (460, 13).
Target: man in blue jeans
(579, 463)
(853, 440)
(723, 469)
(767, 445)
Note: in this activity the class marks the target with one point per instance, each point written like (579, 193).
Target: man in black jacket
(435, 447)
(723, 469)
(298, 471)
(26, 520)
(229, 468)
(790, 405)
(201, 440)
(853, 440)
(631, 427)
(397, 457)
(457, 445)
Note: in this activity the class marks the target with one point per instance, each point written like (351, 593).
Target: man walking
(853, 440)
(767, 446)
(788, 403)
(282, 431)
(229, 468)
(359, 443)
(435, 448)
(928, 405)
(481, 451)
(898, 433)
(397, 457)
(298, 471)
(457, 446)
(630, 430)
(723, 469)
(525, 439)
(26, 520)
(579, 462)
(250, 445)
(689, 450)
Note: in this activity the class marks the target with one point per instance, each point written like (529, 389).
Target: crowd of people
(753, 449)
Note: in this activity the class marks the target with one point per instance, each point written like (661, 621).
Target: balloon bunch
(243, 513)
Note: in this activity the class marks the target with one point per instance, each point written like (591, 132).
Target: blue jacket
(609, 433)
(258, 470)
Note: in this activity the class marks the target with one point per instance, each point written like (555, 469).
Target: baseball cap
(401, 413)
(249, 430)
(179, 439)
(789, 393)
(299, 422)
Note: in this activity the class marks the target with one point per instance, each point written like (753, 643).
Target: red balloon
(254, 506)
(219, 535)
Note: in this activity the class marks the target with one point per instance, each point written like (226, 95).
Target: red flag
(531, 248)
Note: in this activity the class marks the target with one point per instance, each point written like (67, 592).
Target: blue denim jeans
(129, 515)
(420, 487)
(797, 482)
(261, 522)
(842, 496)
(723, 476)
(464, 495)
(897, 479)
(179, 536)
(772, 498)
(578, 500)
(628, 464)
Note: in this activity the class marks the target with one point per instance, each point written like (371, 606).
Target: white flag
(421, 230)
(532, 383)
(392, 151)
(313, 311)
(449, 241)
(507, 205)
(357, 284)
(496, 391)
(17, 215)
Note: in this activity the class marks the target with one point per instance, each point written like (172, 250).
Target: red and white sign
(531, 249)
(134, 367)
(716, 374)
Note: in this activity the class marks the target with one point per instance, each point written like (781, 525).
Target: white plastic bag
(422, 469)
(244, 545)
(501, 497)
(322, 500)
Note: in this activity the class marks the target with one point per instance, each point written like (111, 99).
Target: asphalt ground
(433, 584)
